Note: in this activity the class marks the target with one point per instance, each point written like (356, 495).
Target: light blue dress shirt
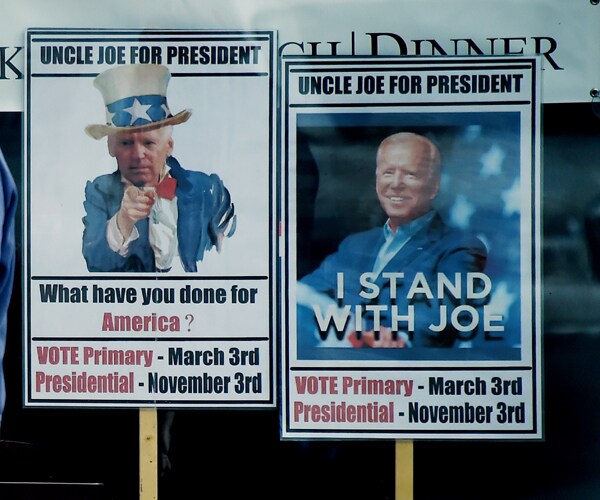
(394, 241)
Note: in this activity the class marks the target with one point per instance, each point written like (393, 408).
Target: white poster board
(109, 337)
(460, 293)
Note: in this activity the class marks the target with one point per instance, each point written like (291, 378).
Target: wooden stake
(148, 454)
(404, 470)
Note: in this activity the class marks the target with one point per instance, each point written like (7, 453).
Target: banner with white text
(149, 218)
(411, 192)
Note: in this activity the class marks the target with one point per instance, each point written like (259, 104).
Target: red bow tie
(166, 188)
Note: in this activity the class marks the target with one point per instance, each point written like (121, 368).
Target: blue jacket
(8, 207)
(204, 209)
(437, 248)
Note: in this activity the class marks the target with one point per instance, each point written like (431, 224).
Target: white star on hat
(109, 116)
(138, 110)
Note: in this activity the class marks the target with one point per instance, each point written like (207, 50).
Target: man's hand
(135, 205)
(385, 339)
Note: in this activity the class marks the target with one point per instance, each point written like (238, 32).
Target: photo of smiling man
(414, 246)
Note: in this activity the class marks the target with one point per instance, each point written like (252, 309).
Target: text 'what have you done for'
(58, 293)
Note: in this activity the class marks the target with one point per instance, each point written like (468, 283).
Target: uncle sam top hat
(135, 96)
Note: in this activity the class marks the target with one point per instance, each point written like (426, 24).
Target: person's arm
(315, 296)
(457, 253)
(116, 241)
(8, 208)
(466, 255)
(100, 207)
(223, 221)
(135, 206)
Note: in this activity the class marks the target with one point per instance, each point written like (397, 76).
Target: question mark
(190, 318)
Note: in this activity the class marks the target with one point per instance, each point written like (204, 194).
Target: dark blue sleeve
(8, 207)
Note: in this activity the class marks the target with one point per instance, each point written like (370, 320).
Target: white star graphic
(501, 300)
(472, 132)
(512, 199)
(138, 110)
(461, 212)
(165, 109)
(492, 161)
(109, 116)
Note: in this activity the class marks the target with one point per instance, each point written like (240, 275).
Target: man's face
(141, 155)
(405, 182)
